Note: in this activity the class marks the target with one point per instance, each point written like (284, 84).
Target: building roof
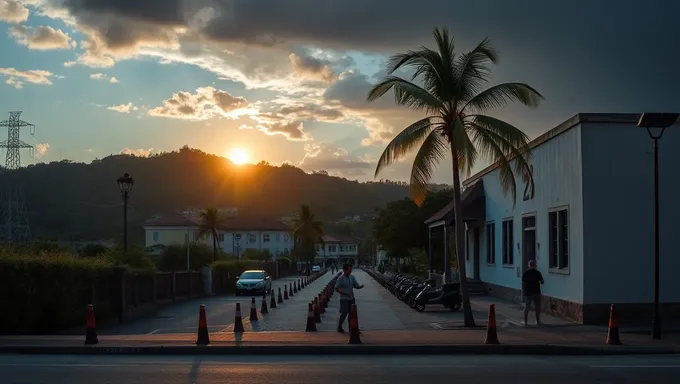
(473, 201)
(579, 118)
(338, 239)
(230, 223)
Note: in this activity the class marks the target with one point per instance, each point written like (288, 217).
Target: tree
(210, 220)
(448, 89)
(307, 232)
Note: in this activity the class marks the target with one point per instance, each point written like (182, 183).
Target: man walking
(345, 287)
(531, 290)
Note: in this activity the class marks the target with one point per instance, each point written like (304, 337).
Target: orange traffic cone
(311, 325)
(294, 285)
(320, 299)
(491, 332)
(285, 292)
(203, 338)
(263, 308)
(253, 310)
(90, 327)
(238, 322)
(317, 314)
(290, 291)
(272, 303)
(613, 329)
(280, 300)
(299, 285)
(354, 335)
(325, 299)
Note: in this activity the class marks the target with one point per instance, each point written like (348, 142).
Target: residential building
(587, 221)
(235, 236)
(337, 249)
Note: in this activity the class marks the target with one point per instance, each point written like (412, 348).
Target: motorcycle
(448, 296)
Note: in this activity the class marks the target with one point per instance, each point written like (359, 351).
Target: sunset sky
(286, 81)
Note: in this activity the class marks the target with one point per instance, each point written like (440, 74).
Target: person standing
(531, 290)
(345, 287)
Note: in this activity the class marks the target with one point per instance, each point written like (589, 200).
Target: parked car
(253, 282)
(316, 268)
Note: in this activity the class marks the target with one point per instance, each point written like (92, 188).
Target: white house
(337, 249)
(588, 222)
(235, 236)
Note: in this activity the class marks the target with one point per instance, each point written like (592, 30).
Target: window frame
(266, 238)
(490, 243)
(558, 268)
(508, 243)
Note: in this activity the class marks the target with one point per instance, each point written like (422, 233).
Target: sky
(286, 81)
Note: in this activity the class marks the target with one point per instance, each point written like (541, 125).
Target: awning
(474, 206)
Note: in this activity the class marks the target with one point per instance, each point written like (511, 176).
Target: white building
(588, 222)
(235, 236)
(338, 250)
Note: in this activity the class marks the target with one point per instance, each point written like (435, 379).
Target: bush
(283, 260)
(174, 257)
(257, 255)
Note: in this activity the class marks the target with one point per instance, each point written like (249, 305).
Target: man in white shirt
(345, 287)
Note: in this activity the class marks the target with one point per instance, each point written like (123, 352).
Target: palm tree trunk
(468, 317)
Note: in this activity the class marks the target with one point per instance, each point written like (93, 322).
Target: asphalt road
(61, 369)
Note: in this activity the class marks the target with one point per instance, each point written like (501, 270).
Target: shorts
(345, 305)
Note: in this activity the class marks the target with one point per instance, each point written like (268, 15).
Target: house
(235, 236)
(587, 221)
(337, 249)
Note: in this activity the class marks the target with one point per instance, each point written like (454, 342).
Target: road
(59, 369)
(379, 310)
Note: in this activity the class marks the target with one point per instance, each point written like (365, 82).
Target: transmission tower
(14, 228)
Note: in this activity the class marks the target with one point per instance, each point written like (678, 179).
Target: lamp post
(656, 124)
(125, 184)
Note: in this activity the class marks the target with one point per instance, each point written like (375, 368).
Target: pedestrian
(345, 287)
(531, 291)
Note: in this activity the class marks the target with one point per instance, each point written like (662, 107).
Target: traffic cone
(491, 333)
(280, 300)
(294, 284)
(272, 303)
(253, 310)
(263, 308)
(613, 329)
(311, 325)
(90, 327)
(290, 291)
(317, 314)
(325, 300)
(203, 338)
(285, 292)
(320, 299)
(238, 322)
(354, 335)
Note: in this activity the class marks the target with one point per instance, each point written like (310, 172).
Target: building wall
(557, 167)
(618, 214)
(337, 250)
(166, 235)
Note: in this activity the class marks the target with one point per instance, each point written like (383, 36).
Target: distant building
(235, 236)
(337, 249)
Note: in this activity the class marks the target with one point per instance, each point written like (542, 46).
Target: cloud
(13, 11)
(140, 152)
(17, 77)
(101, 76)
(312, 68)
(41, 37)
(41, 149)
(69, 64)
(334, 160)
(123, 108)
(206, 103)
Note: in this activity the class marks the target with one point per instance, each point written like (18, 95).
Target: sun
(239, 156)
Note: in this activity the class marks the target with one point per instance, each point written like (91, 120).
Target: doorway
(528, 240)
(475, 254)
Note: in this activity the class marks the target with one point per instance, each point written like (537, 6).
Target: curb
(483, 349)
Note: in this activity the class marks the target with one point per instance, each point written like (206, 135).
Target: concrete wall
(618, 214)
(557, 167)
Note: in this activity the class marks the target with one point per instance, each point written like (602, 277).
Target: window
(195, 235)
(221, 237)
(237, 237)
(331, 248)
(286, 237)
(155, 236)
(491, 243)
(278, 237)
(508, 241)
(559, 239)
(265, 237)
(252, 238)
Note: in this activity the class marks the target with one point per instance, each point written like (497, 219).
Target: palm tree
(210, 221)
(307, 232)
(447, 88)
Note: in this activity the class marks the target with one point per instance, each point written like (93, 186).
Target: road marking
(636, 366)
(153, 332)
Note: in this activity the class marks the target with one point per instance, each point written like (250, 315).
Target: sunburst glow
(239, 156)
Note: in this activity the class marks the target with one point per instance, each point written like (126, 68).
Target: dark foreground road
(342, 370)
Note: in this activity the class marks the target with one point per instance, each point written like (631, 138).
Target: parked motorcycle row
(419, 293)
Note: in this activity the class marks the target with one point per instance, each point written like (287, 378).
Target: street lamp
(656, 124)
(125, 184)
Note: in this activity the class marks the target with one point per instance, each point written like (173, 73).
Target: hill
(76, 201)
